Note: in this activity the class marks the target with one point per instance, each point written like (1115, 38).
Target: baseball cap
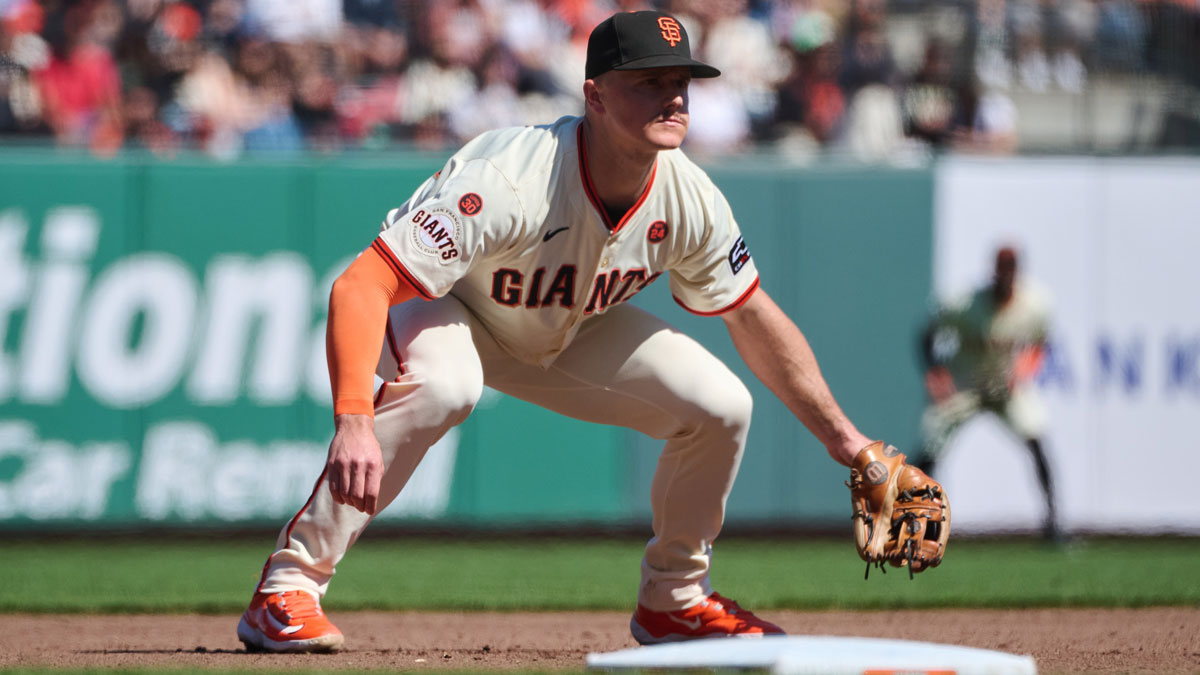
(639, 40)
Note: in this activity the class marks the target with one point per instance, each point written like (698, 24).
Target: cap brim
(668, 60)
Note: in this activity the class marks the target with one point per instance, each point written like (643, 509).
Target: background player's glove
(901, 516)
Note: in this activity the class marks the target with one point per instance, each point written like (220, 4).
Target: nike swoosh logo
(694, 624)
(551, 233)
(279, 626)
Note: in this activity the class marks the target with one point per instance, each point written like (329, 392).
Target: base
(819, 654)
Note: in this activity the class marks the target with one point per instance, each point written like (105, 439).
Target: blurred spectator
(297, 21)
(1120, 35)
(751, 62)
(78, 84)
(22, 51)
(809, 101)
(495, 104)
(951, 112)
(867, 58)
(874, 128)
(719, 123)
(366, 104)
(442, 78)
(814, 76)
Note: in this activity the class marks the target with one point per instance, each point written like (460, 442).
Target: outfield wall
(162, 358)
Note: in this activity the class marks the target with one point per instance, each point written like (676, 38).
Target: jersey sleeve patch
(436, 233)
(470, 204)
(739, 254)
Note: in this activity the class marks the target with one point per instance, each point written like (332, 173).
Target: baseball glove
(901, 516)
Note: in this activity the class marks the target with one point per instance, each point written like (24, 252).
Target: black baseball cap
(639, 40)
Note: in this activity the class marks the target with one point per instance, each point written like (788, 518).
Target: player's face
(647, 106)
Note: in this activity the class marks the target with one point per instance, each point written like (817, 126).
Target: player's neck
(1001, 296)
(619, 176)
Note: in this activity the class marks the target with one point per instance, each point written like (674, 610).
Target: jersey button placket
(608, 244)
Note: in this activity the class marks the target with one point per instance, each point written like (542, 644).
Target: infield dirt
(1152, 640)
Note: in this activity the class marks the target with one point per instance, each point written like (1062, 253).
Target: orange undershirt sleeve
(358, 308)
(1027, 363)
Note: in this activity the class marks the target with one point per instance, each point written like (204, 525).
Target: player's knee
(727, 405)
(455, 396)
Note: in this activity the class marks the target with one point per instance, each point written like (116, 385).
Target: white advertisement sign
(1115, 243)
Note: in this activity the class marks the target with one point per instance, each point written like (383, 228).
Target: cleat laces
(298, 605)
(724, 603)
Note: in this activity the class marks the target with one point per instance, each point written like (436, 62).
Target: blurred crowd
(870, 78)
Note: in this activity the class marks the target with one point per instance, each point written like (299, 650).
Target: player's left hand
(901, 516)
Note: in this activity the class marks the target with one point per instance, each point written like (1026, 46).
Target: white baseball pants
(625, 367)
(1022, 412)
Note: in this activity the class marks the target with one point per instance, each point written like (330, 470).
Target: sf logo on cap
(670, 30)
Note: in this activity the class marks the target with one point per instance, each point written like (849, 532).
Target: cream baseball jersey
(511, 227)
(989, 338)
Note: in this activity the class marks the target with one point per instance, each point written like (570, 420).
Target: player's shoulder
(517, 152)
(1032, 297)
(687, 183)
(684, 171)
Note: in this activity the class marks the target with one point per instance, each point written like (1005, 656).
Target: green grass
(217, 576)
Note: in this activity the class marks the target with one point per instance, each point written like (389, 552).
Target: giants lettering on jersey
(614, 287)
(509, 289)
(436, 233)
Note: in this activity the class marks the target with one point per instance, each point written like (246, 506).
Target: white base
(819, 654)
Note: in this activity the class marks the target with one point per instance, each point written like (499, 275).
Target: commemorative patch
(436, 232)
(470, 204)
(738, 255)
(657, 231)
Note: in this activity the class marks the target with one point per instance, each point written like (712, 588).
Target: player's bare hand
(355, 464)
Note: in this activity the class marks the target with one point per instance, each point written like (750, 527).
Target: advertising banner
(163, 354)
(162, 347)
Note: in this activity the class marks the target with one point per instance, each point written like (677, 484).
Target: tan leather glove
(901, 516)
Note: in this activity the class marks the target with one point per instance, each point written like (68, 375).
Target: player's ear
(591, 96)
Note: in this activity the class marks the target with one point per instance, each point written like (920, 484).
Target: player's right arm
(358, 308)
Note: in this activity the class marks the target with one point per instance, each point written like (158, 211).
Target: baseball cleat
(713, 617)
(291, 621)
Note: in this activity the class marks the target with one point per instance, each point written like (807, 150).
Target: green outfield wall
(162, 359)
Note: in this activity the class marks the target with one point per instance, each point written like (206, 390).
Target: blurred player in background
(981, 356)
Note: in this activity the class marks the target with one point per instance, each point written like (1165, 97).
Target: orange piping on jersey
(736, 303)
(391, 341)
(590, 189)
(401, 271)
(292, 525)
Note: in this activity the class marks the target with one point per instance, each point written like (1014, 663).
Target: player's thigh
(1025, 414)
(433, 344)
(629, 368)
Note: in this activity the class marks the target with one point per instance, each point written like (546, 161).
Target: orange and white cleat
(291, 621)
(713, 617)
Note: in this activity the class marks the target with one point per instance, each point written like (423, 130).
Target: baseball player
(981, 355)
(513, 266)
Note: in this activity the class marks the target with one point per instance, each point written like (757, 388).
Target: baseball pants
(1021, 413)
(625, 367)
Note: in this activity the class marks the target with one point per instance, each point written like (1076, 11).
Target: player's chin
(667, 135)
